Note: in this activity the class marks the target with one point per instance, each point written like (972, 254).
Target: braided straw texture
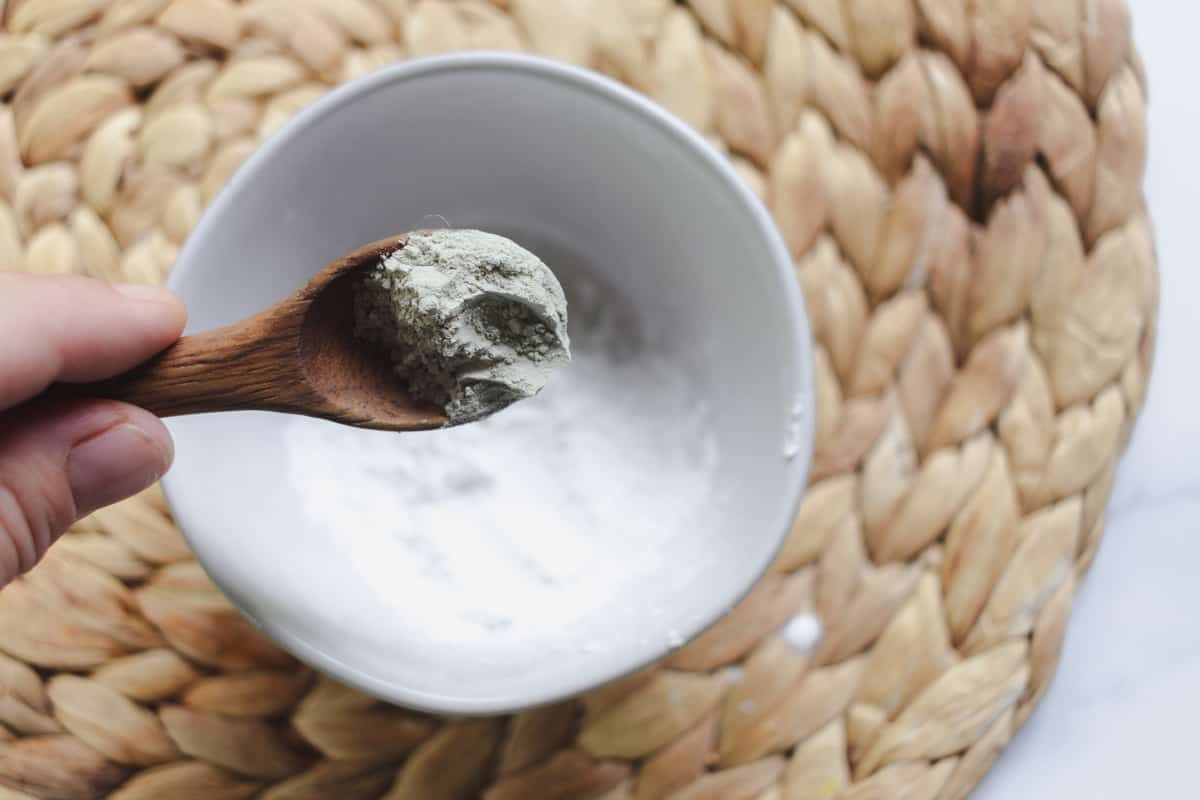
(959, 182)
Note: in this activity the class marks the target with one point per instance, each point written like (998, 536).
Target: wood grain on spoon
(298, 357)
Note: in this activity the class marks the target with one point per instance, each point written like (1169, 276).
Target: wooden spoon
(298, 357)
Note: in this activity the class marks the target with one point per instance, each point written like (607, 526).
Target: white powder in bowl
(528, 521)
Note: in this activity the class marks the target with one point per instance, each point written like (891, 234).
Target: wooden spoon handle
(244, 367)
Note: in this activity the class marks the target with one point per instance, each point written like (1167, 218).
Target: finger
(60, 461)
(77, 329)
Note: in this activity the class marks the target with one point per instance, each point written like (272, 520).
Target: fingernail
(113, 465)
(143, 292)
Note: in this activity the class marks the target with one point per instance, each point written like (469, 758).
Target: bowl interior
(612, 193)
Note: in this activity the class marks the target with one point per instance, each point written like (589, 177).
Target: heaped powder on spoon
(513, 528)
(473, 321)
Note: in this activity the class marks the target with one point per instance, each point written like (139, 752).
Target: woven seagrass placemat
(959, 182)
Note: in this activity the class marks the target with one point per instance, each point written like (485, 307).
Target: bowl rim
(708, 157)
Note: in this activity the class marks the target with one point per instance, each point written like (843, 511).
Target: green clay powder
(472, 321)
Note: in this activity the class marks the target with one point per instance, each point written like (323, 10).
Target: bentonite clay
(472, 321)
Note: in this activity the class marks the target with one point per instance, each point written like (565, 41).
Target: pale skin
(62, 459)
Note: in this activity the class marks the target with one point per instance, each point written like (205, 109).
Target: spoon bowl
(355, 380)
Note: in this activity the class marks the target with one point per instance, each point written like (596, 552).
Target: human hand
(63, 459)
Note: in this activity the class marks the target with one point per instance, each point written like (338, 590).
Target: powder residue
(803, 632)
(472, 321)
(520, 526)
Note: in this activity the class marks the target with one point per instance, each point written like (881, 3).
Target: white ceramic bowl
(579, 169)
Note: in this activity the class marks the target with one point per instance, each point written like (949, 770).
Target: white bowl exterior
(544, 152)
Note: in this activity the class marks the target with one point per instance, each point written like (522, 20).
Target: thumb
(61, 461)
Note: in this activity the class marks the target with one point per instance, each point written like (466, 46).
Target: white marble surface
(1119, 720)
